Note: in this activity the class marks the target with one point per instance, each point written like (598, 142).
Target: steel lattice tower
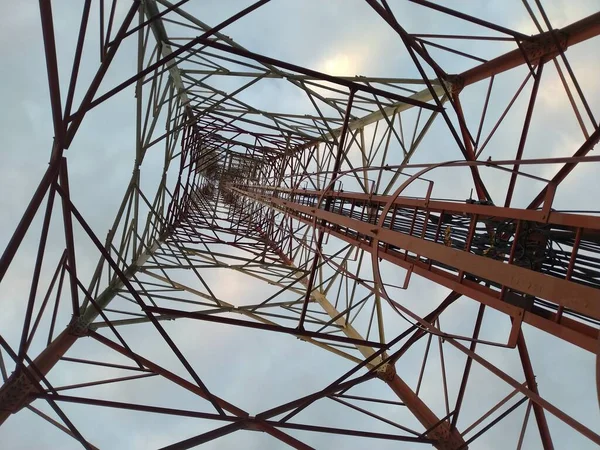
(349, 210)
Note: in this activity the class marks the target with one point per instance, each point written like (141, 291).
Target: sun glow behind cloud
(343, 63)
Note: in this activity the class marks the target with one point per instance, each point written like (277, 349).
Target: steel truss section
(329, 211)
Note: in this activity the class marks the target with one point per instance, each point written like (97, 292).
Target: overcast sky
(253, 369)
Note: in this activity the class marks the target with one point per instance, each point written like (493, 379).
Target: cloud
(253, 368)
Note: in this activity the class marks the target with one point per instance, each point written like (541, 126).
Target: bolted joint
(14, 395)
(454, 83)
(253, 424)
(544, 45)
(386, 372)
(446, 438)
(78, 326)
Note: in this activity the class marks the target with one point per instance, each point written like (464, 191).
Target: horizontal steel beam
(261, 326)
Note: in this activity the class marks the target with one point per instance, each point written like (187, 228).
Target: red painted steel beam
(336, 168)
(587, 221)
(261, 326)
(23, 346)
(207, 436)
(535, 398)
(538, 411)
(579, 298)
(250, 422)
(472, 19)
(52, 69)
(47, 359)
(468, 364)
(238, 412)
(446, 437)
(88, 101)
(540, 46)
(31, 380)
(30, 212)
(468, 151)
(50, 356)
(317, 75)
(85, 15)
(587, 146)
(524, 133)
(95, 84)
(69, 237)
